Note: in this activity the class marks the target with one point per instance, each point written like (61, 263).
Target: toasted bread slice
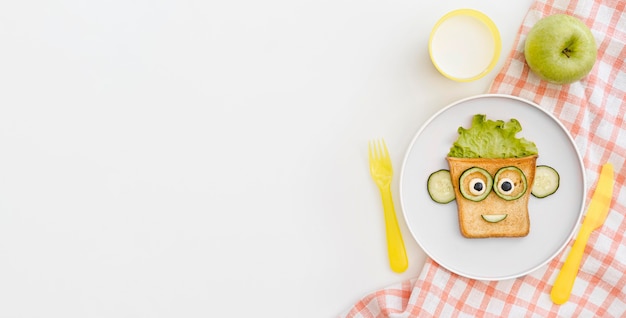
(471, 221)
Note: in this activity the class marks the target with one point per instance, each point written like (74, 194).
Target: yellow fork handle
(564, 282)
(395, 244)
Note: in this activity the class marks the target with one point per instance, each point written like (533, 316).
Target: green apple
(560, 49)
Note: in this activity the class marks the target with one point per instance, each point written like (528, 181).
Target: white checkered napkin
(593, 110)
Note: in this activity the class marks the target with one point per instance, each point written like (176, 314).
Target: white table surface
(209, 159)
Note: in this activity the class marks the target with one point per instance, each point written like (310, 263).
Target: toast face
(471, 221)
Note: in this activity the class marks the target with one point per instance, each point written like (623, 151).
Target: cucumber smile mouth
(493, 218)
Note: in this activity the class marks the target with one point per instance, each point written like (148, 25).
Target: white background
(209, 159)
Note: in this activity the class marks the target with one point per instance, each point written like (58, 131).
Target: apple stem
(566, 51)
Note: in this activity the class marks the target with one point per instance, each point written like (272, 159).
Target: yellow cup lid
(464, 45)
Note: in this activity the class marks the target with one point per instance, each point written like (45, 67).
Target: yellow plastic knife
(596, 214)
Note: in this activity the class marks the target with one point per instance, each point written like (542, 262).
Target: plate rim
(579, 160)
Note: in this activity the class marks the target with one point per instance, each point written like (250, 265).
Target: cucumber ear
(546, 183)
(440, 186)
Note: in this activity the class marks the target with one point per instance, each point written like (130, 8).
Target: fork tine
(386, 154)
(373, 149)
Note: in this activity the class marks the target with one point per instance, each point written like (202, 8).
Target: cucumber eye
(510, 183)
(475, 184)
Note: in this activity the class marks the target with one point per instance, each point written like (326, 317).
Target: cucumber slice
(440, 186)
(493, 218)
(475, 184)
(510, 183)
(546, 181)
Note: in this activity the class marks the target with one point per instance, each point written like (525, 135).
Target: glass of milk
(464, 45)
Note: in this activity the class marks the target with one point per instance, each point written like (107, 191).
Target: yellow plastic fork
(382, 172)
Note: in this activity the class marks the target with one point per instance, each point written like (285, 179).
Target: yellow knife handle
(398, 260)
(565, 280)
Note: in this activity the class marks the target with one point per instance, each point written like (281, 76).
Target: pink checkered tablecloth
(593, 110)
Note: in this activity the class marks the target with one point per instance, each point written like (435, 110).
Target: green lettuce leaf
(491, 139)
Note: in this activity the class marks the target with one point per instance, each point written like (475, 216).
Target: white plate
(553, 220)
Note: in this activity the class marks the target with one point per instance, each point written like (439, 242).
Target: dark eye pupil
(478, 186)
(506, 186)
